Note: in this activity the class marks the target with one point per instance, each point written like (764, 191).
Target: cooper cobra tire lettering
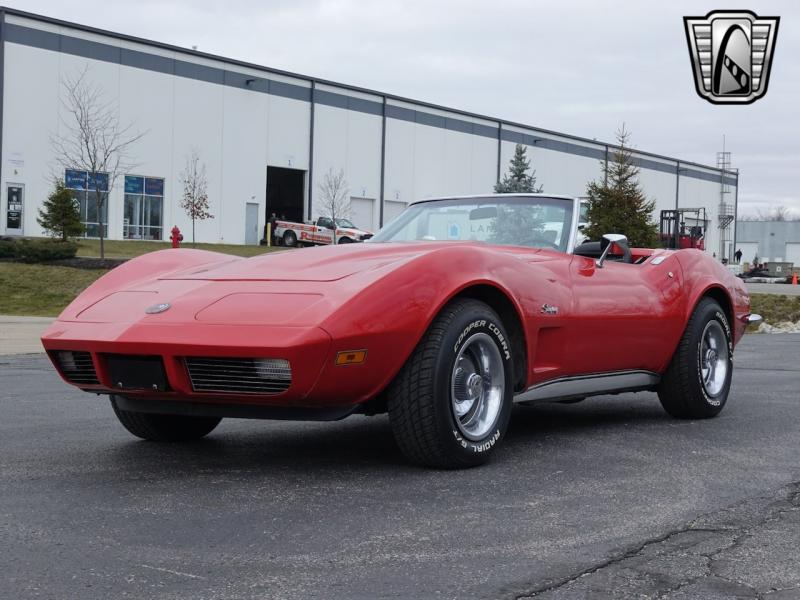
(482, 447)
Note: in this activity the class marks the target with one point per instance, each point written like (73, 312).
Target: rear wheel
(164, 428)
(289, 239)
(450, 404)
(698, 379)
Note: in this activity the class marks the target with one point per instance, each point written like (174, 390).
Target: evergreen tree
(617, 204)
(517, 224)
(517, 179)
(60, 214)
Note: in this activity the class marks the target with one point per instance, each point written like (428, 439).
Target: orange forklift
(683, 228)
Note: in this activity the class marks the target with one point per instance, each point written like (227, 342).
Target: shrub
(37, 250)
(60, 215)
(7, 248)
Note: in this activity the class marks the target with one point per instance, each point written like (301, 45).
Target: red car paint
(308, 305)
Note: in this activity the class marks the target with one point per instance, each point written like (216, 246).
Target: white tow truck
(321, 232)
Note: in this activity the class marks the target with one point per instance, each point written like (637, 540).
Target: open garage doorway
(285, 193)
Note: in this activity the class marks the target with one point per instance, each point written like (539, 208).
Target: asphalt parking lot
(607, 498)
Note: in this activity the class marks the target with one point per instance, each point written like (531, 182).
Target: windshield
(511, 221)
(345, 223)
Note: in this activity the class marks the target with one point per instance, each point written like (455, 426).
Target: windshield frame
(574, 207)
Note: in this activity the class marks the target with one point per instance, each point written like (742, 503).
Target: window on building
(144, 203)
(84, 186)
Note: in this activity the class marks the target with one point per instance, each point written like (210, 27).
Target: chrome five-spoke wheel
(477, 386)
(714, 358)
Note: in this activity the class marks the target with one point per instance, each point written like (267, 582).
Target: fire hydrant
(176, 238)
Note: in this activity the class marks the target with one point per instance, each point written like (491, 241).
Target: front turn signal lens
(350, 357)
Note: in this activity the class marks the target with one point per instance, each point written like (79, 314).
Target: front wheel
(698, 379)
(289, 239)
(450, 404)
(164, 428)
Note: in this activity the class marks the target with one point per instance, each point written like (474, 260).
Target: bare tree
(91, 139)
(777, 213)
(333, 196)
(195, 189)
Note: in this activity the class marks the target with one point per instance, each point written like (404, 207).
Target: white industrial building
(267, 138)
(769, 241)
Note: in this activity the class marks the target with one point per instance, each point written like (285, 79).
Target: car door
(625, 316)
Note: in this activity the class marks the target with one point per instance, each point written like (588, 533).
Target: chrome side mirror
(609, 240)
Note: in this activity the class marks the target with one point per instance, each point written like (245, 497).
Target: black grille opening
(77, 367)
(239, 375)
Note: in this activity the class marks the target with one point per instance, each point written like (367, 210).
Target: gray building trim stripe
(142, 60)
(600, 154)
(348, 102)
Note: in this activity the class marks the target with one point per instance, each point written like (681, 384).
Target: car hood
(286, 288)
(324, 263)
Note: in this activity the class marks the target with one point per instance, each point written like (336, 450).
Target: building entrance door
(251, 236)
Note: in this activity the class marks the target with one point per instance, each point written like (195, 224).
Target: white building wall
(288, 135)
(483, 170)
(245, 130)
(400, 163)
(351, 141)
(239, 131)
(35, 107)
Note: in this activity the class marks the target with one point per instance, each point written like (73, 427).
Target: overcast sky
(576, 67)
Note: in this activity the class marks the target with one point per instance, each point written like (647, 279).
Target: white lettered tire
(450, 404)
(698, 379)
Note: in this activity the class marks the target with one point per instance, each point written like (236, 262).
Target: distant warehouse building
(769, 241)
(267, 138)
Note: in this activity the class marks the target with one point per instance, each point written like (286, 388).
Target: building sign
(154, 186)
(81, 180)
(134, 185)
(75, 180)
(14, 208)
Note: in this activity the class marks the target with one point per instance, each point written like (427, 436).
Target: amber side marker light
(350, 357)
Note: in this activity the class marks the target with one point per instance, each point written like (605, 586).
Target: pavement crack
(727, 530)
(635, 551)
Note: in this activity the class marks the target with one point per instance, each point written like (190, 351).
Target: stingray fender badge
(549, 309)
(157, 308)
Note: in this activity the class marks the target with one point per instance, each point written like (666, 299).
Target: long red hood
(323, 263)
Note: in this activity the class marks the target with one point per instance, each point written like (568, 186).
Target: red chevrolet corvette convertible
(453, 312)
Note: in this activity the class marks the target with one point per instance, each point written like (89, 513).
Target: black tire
(682, 391)
(164, 428)
(289, 239)
(345, 240)
(420, 399)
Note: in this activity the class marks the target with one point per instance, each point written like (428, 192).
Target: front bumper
(306, 349)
